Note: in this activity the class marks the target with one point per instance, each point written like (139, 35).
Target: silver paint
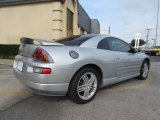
(115, 66)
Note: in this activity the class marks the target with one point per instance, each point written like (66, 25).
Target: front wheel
(144, 70)
(84, 85)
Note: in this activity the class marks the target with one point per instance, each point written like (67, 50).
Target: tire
(82, 88)
(144, 70)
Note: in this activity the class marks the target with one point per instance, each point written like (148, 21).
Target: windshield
(75, 40)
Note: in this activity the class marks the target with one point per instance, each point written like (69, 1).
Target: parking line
(6, 64)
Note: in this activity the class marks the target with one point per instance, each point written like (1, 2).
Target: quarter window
(103, 44)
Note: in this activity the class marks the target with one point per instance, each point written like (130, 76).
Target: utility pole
(147, 40)
(109, 31)
(155, 42)
(137, 38)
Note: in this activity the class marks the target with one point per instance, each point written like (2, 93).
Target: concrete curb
(6, 64)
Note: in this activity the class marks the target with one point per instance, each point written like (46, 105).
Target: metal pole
(155, 42)
(109, 31)
(135, 43)
(147, 37)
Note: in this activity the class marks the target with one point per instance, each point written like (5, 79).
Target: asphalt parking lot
(131, 100)
(11, 91)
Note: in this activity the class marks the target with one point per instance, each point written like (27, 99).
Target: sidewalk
(11, 90)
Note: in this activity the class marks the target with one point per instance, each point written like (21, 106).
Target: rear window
(75, 40)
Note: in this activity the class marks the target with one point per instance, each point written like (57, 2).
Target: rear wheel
(144, 70)
(84, 85)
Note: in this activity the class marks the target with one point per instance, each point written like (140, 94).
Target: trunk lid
(28, 45)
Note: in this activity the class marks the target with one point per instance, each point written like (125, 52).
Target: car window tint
(119, 45)
(103, 44)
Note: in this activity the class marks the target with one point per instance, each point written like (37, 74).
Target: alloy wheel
(145, 70)
(87, 86)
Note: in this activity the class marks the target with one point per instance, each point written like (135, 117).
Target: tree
(141, 42)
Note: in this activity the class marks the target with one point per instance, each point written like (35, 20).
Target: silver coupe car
(77, 66)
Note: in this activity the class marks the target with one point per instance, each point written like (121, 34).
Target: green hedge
(8, 51)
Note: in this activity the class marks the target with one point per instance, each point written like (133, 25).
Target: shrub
(8, 51)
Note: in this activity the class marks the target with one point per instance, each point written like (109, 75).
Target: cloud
(126, 17)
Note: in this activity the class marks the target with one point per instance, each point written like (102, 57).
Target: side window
(119, 45)
(103, 44)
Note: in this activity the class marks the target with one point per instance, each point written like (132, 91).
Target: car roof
(93, 42)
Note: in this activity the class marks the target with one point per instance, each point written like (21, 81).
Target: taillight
(41, 55)
(46, 71)
(40, 70)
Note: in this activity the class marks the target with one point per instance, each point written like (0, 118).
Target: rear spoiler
(25, 40)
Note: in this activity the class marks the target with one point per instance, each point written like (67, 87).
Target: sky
(125, 17)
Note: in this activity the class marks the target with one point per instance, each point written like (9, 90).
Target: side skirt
(111, 81)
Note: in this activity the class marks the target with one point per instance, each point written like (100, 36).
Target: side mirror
(133, 50)
(136, 50)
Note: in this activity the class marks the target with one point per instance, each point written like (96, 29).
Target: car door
(107, 56)
(127, 60)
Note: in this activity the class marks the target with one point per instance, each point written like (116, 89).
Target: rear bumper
(56, 83)
(43, 89)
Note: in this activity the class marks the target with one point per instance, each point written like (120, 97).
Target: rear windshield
(75, 40)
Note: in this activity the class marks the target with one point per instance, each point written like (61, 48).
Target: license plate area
(18, 65)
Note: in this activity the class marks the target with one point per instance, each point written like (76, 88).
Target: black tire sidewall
(74, 82)
(141, 71)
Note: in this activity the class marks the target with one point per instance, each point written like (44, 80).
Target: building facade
(45, 19)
